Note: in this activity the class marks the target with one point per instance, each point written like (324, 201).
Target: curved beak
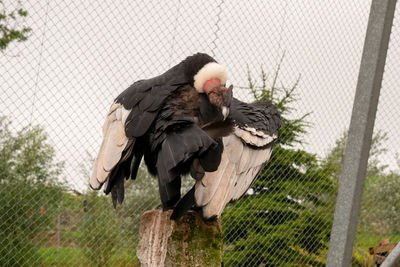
(225, 112)
(227, 100)
(221, 97)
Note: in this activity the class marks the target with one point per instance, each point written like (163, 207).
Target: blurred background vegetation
(45, 223)
(296, 192)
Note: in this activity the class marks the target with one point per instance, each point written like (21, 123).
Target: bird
(246, 151)
(171, 121)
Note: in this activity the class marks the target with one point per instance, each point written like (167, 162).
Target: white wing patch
(250, 171)
(114, 143)
(254, 137)
(209, 184)
(240, 164)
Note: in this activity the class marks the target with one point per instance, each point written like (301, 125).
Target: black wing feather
(135, 165)
(139, 123)
(211, 159)
(176, 156)
(175, 144)
(262, 116)
(178, 147)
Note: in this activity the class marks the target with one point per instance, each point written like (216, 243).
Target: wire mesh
(57, 86)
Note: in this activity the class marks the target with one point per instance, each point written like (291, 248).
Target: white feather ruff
(210, 70)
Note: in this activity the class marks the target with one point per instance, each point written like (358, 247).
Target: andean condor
(176, 122)
(246, 151)
(172, 121)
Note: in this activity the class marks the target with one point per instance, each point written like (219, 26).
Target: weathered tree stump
(188, 242)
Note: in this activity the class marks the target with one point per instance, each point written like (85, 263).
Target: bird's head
(219, 95)
(209, 77)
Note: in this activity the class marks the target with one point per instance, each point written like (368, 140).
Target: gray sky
(81, 55)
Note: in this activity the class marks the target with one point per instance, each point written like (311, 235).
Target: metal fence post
(360, 132)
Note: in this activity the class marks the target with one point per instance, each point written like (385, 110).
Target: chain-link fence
(57, 86)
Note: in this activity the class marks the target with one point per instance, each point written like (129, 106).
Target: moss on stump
(188, 242)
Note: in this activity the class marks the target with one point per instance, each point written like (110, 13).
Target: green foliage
(11, 25)
(287, 219)
(100, 230)
(379, 213)
(29, 192)
(381, 210)
(334, 158)
(74, 256)
(141, 195)
(282, 97)
(362, 257)
(104, 231)
(62, 257)
(365, 241)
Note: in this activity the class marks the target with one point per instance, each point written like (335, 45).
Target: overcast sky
(82, 54)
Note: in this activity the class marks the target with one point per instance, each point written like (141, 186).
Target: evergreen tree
(286, 216)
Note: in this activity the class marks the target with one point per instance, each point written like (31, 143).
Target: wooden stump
(188, 242)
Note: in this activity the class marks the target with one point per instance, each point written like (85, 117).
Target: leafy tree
(334, 158)
(29, 192)
(100, 227)
(11, 26)
(141, 195)
(379, 213)
(286, 220)
(100, 230)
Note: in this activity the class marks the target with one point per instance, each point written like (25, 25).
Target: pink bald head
(210, 84)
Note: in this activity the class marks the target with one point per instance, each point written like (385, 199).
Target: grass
(365, 241)
(67, 257)
(73, 256)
